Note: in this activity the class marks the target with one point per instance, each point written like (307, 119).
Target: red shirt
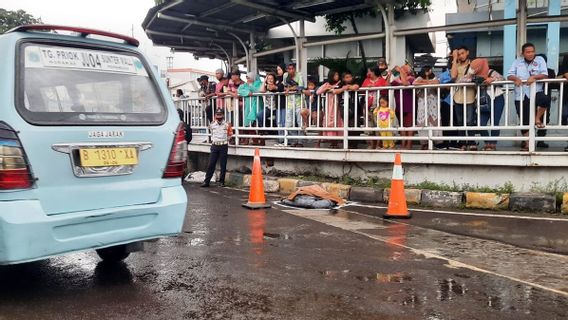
(379, 82)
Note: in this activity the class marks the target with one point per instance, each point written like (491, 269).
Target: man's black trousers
(217, 153)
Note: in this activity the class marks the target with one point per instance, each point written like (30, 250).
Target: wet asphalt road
(231, 263)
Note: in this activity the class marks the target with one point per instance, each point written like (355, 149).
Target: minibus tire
(113, 254)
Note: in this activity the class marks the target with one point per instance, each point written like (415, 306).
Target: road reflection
(257, 223)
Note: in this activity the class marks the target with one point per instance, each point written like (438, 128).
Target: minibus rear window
(75, 86)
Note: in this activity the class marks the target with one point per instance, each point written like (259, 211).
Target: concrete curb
(564, 207)
(413, 196)
(366, 194)
(341, 190)
(490, 201)
(305, 183)
(442, 199)
(235, 178)
(246, 180)
(532, 202)
(287, 186)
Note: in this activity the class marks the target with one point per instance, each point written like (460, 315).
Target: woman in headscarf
(252, 104)
(488, 95)
(332, 118)
(427, 108)
(404, 102)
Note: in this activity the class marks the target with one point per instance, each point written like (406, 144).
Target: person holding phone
(293, 86)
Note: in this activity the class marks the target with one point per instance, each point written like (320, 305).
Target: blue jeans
(269, 122)
(471, 120)
(485, 116)
(281, 115)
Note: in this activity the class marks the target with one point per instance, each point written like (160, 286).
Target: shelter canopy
(203, 27)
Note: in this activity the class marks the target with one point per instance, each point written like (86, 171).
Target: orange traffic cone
(397, 199)
(257, 200)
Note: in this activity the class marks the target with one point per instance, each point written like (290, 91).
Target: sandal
(539, 125)
(473, 148)
(489, 147)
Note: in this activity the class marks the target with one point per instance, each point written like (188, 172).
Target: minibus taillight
(178, 155)
(15, 171)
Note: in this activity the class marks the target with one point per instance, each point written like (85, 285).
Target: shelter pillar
(553, 36)
(522, 24)
(303, 58)
(509, 36)
(253, 67)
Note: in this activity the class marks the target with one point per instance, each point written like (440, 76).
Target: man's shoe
(222, 184)
(205, 185)
(542, 144)
(566, 149)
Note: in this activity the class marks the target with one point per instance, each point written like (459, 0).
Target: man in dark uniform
(221, 132)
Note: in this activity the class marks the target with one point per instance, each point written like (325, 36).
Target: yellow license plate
(103, 157)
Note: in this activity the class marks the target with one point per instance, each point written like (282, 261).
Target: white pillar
(553, 36)
(509, 36)
(303, 59)
(522, 24)
(321, 68)
(253, 60)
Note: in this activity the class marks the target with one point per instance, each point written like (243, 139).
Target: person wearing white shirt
(529, 68)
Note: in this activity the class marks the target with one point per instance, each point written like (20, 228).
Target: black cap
(219, 110)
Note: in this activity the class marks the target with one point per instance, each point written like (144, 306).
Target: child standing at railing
(314, 117)
(385, 119)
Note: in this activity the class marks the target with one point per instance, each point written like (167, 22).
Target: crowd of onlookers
(282, 100)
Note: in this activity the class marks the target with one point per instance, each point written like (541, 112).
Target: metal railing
(425, 113)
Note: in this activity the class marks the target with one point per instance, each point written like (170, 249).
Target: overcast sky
(119, 16)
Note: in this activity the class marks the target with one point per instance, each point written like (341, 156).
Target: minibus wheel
(113, 254)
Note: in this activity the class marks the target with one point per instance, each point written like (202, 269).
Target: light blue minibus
(92, 150)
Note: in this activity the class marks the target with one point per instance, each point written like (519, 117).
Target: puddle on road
(332, 274)
(196, 242)
(411, 299)
(449, 289)
(398, 277)
(379, 277)
(494, 303)
(273, 236)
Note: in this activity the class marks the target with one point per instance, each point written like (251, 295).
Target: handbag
(484, 100)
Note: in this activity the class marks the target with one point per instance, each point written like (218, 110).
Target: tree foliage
(10, 19)
(354, 65)
(410, 6)
(337, 22)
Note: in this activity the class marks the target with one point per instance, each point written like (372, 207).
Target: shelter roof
(203, 27)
